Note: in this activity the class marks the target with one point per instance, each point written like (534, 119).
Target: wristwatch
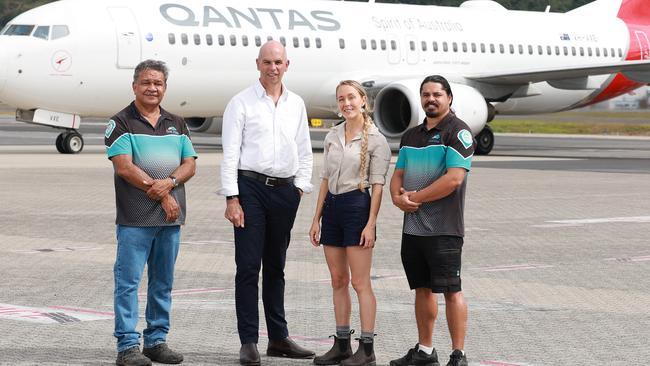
(174, 181)
(228, 198)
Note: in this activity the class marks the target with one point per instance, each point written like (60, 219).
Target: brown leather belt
(269, 181)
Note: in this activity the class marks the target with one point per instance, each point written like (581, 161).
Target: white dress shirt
(266, 138)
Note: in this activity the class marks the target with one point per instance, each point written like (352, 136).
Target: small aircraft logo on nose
(61, 61)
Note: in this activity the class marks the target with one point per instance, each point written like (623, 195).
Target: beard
(432, 114)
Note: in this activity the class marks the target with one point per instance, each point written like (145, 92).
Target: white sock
(425, 349)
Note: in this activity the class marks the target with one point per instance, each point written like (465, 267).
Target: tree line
(10, 8)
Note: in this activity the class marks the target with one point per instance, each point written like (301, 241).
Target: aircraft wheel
(59, 143)
(73, 143)
(484, 141)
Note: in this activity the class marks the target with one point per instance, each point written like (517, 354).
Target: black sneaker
(417, 357)
(132, 357)
(163, 354)
(457, 358)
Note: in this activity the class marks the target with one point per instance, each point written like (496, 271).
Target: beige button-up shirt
(342, 162)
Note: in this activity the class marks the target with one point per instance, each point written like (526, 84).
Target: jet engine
(209, 125)
(397, 108)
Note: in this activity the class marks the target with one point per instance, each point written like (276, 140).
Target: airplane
(71, 59)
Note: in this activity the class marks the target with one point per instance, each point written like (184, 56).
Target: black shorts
(345, 216)
(432, 262)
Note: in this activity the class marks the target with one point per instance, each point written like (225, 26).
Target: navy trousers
(269, 213)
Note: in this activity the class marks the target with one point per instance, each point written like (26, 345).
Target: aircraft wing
(638, 71)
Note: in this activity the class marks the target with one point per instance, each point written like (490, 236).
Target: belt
(269, 181)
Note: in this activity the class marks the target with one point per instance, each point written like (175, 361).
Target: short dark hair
(150, 65)
(437, 79)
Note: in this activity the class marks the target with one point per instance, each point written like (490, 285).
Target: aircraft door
(393, 49)
(644, 45)
(411, 47)
(128, 37)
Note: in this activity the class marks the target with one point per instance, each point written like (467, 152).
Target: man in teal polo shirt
(153, 157)
(429, 186)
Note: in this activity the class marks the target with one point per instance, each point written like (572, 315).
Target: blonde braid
(367, 122)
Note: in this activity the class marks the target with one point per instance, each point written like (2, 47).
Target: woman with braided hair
(356, 162)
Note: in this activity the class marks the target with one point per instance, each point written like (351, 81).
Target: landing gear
(69, 142)
(484, 141)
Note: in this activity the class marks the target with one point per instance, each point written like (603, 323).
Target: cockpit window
(60, 31)
(42, 31)
(18, 30)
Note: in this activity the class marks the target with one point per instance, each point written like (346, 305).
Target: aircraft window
(464, 46)
(557, 50)
(589, 51)
(511, 48)
(258, 41)
(613, 52)
(435, 46)
(283, 41)
(540, 50)
(582, 51)
(530, 49)
(393, 45)
(620, 52)
(183, 38)
(382, 43)
(473, 47)
(521, 49)
(318, 43)
(482, 47)
(244, 41)
(454, 46)
(296, 42)
(269, 38)
(59, 31)
(412, 45)
(363, 44)
(306, 41)
(221, 40)
(233, 40)
(597, 52)
(604, 51)
(19, 30)
(373, 44)
(208, 39)
(502, 49)
(445, 47)
(197, 39)
(172, 38)
(42, 32)
(492, 50)
(341, 43)
(549, 51)
(566, 51)
(424, 46)
(573, 51)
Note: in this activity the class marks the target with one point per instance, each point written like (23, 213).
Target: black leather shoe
(287, 348)
(248, 355)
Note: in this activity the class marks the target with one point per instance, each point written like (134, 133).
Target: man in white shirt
(267, 165)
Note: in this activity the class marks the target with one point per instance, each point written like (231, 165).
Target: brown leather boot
(365, 355)
(340, 351)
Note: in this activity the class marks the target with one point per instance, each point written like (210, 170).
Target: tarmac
(555, 266)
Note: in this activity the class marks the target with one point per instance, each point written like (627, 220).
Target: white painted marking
(192, 291)
(514, 267)
(51, 315)
(633, 219)
(208, 242)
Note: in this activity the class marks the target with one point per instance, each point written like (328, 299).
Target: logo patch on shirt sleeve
(110, 126)
(465, 138)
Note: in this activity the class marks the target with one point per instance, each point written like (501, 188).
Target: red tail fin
(636, 15)
(635, 12)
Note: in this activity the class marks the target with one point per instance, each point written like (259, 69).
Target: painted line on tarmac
(513, 267)
(643, 258)
(499, 363)
(65, 315)
(632, 219)
(208, 242)
(50, 250)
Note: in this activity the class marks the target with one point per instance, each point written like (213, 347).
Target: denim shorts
(345, 216)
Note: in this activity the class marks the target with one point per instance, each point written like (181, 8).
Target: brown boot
(340, 351)
(364, 356)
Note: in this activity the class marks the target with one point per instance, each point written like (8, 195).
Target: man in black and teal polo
(153, 157)
(429, 186)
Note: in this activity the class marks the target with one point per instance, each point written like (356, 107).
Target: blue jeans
(158, 248)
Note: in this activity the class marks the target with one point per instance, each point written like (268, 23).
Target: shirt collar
(440, 126)
(261, 92)
(136, 113)
(340, 131)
